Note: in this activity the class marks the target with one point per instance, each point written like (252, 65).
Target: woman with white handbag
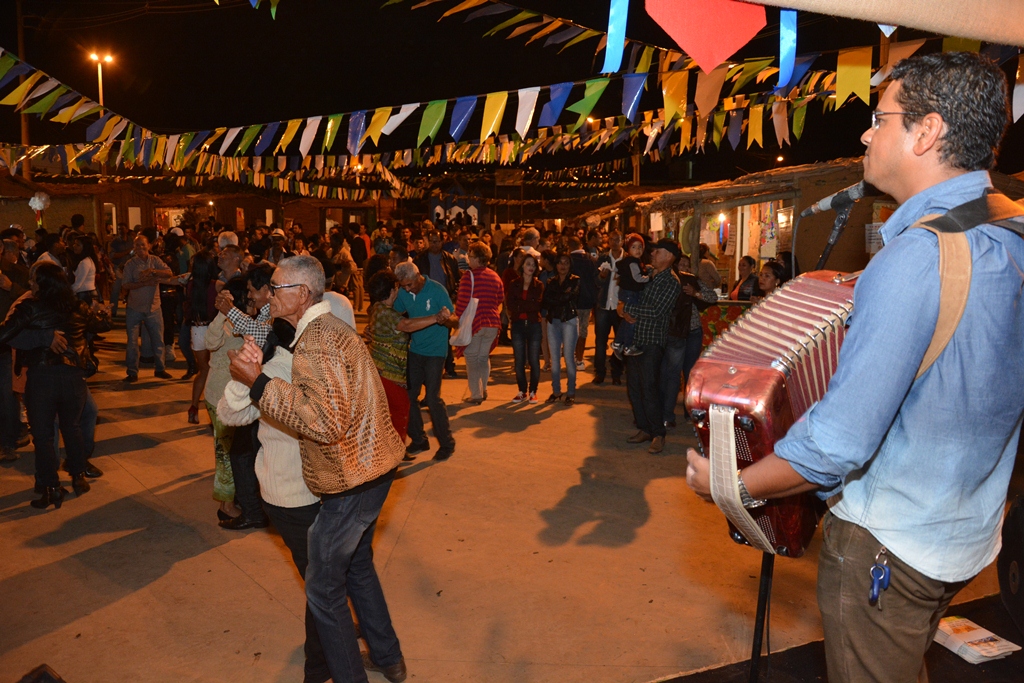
(478, 310)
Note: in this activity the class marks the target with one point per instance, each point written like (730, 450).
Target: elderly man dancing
(336, 403)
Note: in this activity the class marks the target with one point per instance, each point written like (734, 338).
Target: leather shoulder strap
(955, 264)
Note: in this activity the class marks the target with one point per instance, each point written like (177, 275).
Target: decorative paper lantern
(40, 202)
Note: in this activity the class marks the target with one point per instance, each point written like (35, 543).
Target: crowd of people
(236, 305)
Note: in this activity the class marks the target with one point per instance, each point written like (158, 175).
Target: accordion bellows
(761, 375)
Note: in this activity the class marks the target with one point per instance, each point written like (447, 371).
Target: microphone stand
(842, 217)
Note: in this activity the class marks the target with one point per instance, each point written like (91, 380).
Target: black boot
(80, 484)
(51, 495)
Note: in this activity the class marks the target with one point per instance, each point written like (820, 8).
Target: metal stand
(764, 593)
(842, 216)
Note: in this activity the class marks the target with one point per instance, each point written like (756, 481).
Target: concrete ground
(546, 549)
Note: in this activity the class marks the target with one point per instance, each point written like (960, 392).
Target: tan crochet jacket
(336, 403)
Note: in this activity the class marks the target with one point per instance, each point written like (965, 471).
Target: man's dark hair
(402, 252)
(969, 92)
(260, 274)
(77, 221)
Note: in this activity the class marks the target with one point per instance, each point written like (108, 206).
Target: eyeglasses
(274, 288)
(876, 115)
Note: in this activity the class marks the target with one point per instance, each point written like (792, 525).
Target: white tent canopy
(993, 21)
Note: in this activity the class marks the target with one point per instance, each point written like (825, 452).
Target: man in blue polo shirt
(428, 307)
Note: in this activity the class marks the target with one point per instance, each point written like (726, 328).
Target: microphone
(842, 199)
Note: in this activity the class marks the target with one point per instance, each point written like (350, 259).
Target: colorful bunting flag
(592, 93)
(755, 126)
(494, 110)
(377, 123)
(430, 124)
(853, 75)
(709, 31)
(674, 86)
(618, 13)
(308, 133)
(463, 110)
(527, 106)
(291, 128)
(787, 46)
(559, 94)
(632, 87)
(266, 138)
(356, 128)
(398, 118)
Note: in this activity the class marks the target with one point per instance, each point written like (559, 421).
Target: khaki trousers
(863, 643)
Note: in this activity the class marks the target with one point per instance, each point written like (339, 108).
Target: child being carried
(632, 279)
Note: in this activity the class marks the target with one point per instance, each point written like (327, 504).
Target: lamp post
(99, 70)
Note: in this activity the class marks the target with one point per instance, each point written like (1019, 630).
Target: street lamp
(99, 70)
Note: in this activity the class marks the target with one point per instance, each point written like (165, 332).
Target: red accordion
(749, 387)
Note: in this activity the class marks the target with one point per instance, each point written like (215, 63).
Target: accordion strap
(955, 263)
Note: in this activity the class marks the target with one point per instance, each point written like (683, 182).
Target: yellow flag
(289, 132)
(18, 94)
(756, 127)
(377, 123)
(853, 75)
(494, 110)
(65, 114)
(673, 87)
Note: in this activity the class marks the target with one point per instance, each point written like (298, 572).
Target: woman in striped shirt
(484, 285)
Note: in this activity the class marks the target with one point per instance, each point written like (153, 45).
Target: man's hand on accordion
(698, 474)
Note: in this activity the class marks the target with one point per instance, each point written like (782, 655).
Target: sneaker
(444, 453)
(533, 397)
(618, 353)
(169, 356)
(616, 346)
(131, 378)
(580, 365)
(632, 351)
(414, 448)
(520, 397)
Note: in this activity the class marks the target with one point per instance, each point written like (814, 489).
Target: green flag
(430, 124)
(595, 88)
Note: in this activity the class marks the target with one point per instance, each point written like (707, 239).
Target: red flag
(710, 31)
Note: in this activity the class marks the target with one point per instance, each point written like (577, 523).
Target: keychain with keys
(879, 578)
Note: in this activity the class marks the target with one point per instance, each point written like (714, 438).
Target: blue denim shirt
(924, 465)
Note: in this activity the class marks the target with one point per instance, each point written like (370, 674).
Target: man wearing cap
(652, 316)
(278, 250)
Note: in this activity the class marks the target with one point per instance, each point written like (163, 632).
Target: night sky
(191, 65)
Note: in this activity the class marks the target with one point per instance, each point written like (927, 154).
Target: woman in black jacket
(56, 381)
(561, 295)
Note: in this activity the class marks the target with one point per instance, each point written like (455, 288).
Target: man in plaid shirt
(652, 316)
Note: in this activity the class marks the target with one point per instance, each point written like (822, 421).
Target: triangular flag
(562, 36)
(247, 137)
(289, 133)
(897, 52)
(559, 94)
(544, 31)
(645, 60)
(780, 119)
(494, 110)
(800, 68)
(594, 89)
(632, 87)
(755, 127)
(333, 123)
(43, 88)
(356, 128)
(266, 138)
(228, 139)
(377, 123)
(751, 68)
(65, 114)
(395, 121)
(719, 128)
(517, 19)
(527, 106)
(887, 29)
(709, 90)
(735, 127)
(674, 86)
(461, 7)
(586, 35)
(308, 133)
(18, 94)
(46, 103)
(799, 117)
(853, 75)
(463, 110)
(430, 124)
(709, 31)
(618, 12)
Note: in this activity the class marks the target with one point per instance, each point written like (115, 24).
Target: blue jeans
(425, 371)
(52, 391)
(154, 323)
(562, 336)
(10, 415)
(605, 323)
(526, 338)
(625, 332)
(643, 382)
(680, 355)
(340, 567)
